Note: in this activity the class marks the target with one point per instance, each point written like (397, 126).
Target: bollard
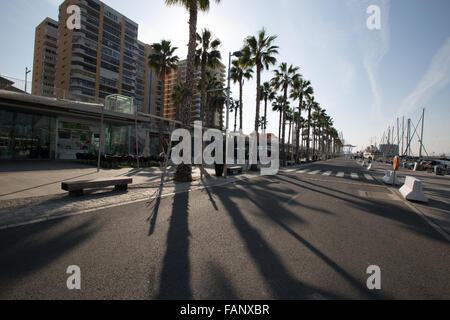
(413, 190)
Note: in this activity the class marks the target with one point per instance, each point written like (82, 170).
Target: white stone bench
(413, 190)
(76, 188)
(390, 178)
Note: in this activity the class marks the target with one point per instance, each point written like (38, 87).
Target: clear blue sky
(364, 78)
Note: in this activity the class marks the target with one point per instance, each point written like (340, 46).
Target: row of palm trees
(258, 55)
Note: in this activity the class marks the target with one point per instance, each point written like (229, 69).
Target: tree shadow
(389, 210)
(175, 274)
(276, 217)
(206, 188)
(282, 283)
(154, 205)
(26, 250)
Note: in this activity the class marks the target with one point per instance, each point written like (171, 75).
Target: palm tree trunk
(240, 105)
(319, 146)
(314, 141)
(283, 124)
(190, 73)
(161, 109)
(265, 115)
(203, 85)
(279, 126)
(297, 132)
(309, 134)
(289, 137)
(235, 118)
(258, 95)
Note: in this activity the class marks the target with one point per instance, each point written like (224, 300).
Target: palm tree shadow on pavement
(175, 274)
(282, 283)
(153, 205)
(208, 191)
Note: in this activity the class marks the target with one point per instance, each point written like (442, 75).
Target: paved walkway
(31, 191)
(23, 179)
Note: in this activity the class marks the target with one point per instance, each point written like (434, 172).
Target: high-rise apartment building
(45, 53)
(104, 57)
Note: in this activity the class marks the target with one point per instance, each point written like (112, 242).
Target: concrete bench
(235, 170)
(413, 190)
(76, 188)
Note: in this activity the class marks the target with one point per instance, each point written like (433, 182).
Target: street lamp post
(236, 54)
(26, 77)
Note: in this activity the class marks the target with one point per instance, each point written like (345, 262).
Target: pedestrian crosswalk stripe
(354, 176)
(340, 175)
(304, 171)
(368, 177)
(328, 173)
(314, 172)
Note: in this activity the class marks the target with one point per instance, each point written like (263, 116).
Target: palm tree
(207, 56)
(260, 52)
(178, 94)
(301, 90)
(184, 172)
(289, 118)
(234, 107)
(193, 6)
(312, 104)
(321, 122)
(277, 106)
(239, 72)
(315, 120)
(285, 76)
(162, 60)
(213, 97)
(267, 94)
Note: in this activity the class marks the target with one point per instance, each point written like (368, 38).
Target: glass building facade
(27, 136)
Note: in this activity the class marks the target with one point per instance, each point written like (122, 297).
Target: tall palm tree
(312, 105)
(239, 72)
(267, 94)
(284, 77)
(321, 122)
(260, 52)
(207, 56)
(277, 106)
(289, 118)
(193, 6)
(301, 90)
(314, 123)
(162, 60)
(234, 107)
(184, 172)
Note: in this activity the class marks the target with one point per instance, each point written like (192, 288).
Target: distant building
(44, 63)
(104, 57)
